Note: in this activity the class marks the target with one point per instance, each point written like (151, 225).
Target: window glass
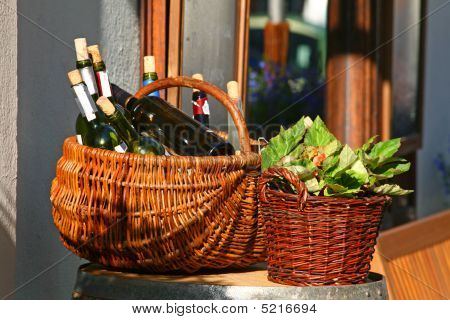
(287, 52)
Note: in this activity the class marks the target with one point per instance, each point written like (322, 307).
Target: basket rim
(246, 157)
(369, 200)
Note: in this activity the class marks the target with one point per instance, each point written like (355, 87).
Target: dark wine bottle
(150, 74)
(135, 142)
(96, 134)
(102, 78)
(154, 117)
(200, 105)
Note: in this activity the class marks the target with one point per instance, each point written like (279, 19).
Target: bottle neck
(85, 102)
(148, 78)
(124, 129)
(102, 79)
(87, 73)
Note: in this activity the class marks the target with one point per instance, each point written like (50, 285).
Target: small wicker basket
(161, 213)
(313, 240)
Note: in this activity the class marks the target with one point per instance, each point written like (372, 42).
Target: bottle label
(84, 99)
(104, 88)
(79, 139)
(77, 101)
(87, 73)
(151, 94)
(200, 106)
(122, 148)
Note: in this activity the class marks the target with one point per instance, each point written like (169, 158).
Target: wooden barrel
(97, 282)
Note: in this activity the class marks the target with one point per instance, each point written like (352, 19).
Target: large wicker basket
(161, 213)
(314, 240)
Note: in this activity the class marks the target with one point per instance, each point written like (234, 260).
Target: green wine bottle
(97, 134)
(84, 65)
(102, 79)
(173, 128)
(135, 142)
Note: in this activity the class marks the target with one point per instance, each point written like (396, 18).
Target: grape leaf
(391, 190)
(385, 149)
(282, 144)
(366, 146)
(390, 170)
(332, 148)
(313, 185)
(302, 172)
(358, 172)
(346, 158)
(318, 134)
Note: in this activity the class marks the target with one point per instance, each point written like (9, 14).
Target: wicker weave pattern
(159, 213)
(318, 240)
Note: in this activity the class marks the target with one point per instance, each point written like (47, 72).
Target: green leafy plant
(329, 168)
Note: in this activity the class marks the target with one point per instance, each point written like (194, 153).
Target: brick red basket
(314, 240)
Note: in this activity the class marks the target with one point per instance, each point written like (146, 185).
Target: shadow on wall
(7, 244)
(47, 113)
(46, 116)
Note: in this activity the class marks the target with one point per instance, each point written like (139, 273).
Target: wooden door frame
(161, 25)
(241, 47)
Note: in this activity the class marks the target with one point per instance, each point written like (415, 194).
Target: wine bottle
(135, 142)
(200, 106)
(233, 92)
(102, 78)
(150, 74)
(154, 117)
(96, 134)
(84, 64)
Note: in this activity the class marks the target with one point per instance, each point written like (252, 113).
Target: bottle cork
(233, 90)
(75, 77)
(94, 51)
(197, 76)
(81, 49)
(149, 64)
(106, 105)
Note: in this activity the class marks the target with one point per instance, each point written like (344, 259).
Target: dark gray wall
(8, 132)
(431, 197)
(47, 115)
(208, 48)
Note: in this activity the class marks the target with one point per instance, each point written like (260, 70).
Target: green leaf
(385, 149)
(313, 185)
(358, 172)
(366, 146)
(282, 144)
(346, 158)
(336, 187)
(298, 151)
(302, 172)
(390, 170)
(308, 122)
(332, 148)
(393, 159)
(391, 190)
(318, 134)
(330, 162)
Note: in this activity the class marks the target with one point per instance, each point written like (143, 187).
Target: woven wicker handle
(291, 177)
(210, 89)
